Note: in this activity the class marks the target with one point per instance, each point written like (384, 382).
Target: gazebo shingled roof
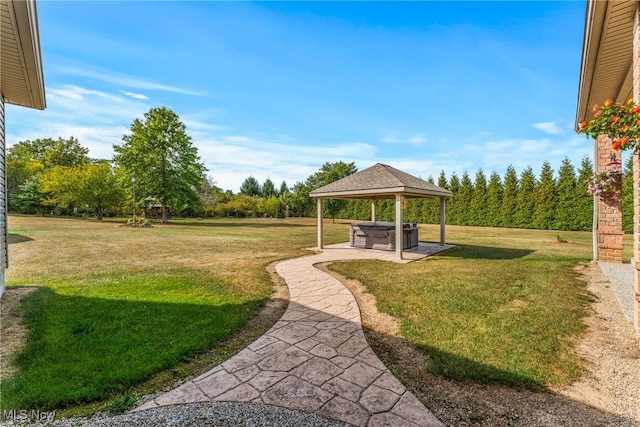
(379, 182)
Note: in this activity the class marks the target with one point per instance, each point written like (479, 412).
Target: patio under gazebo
(381, 182)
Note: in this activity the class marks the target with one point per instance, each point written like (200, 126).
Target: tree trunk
(164, 214)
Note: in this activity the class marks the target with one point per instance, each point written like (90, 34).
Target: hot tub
(382, 235)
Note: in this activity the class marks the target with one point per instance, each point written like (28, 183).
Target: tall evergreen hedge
(526, 201)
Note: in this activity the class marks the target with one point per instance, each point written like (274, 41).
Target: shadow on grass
(17, 238)
(485, 252)
(460, 368)
(462, 391)
(83, 349)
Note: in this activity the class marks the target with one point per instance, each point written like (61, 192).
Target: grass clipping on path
(482, 317)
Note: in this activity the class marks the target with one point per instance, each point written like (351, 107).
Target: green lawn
(116, 305)
(504, 306)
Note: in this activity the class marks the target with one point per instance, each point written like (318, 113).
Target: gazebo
(377, 183)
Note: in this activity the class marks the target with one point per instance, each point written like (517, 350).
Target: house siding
(4, 259)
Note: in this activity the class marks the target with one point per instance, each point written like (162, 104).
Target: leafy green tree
(494, 200)
(566, 197)
(412, 211)
(269, 189)
(583, 217)
(159, 154)
(465, 193)
(357, 209)
(545, 199)
(208, 196)
(49, 152)
(386, 210)
(298, 200)
(525, 201)
(271, 206)
(453, 212)
(478, 205)
(284, 188)
(331, 172)
(65, 152)
(27, 159)
(442, 180)
(328, 173)
(509, 198)
(19, 172)
(242, 205)
(29, 198)
(250, 187)
(627, 196)
(430, 207)
(93, 185)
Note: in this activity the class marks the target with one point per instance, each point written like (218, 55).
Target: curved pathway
(315, 358)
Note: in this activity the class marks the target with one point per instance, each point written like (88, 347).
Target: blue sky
(275, 90)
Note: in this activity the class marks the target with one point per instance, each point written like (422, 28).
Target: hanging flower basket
(601, 183)
(620, 122)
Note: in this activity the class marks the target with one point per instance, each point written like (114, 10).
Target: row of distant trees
(155, 161)
(526, 200)
(158, 162)
(545, 201)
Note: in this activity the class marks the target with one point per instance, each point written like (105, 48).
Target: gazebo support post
(320, 231)
(399, 235)
(442, 219)
(373, 210)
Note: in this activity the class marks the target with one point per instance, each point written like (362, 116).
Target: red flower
(621, 123)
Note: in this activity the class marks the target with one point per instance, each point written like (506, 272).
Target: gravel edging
(205, 414)
(621, 278)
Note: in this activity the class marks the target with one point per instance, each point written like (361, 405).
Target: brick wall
(609, 205)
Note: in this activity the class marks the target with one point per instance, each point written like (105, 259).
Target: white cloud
(522, 153)
(231, 158)
(77, 93)
(135, 95)
(98, 119)
(411, 139)
(125, 80)
(548, 127)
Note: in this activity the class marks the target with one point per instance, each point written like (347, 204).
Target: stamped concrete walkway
(315, 358)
